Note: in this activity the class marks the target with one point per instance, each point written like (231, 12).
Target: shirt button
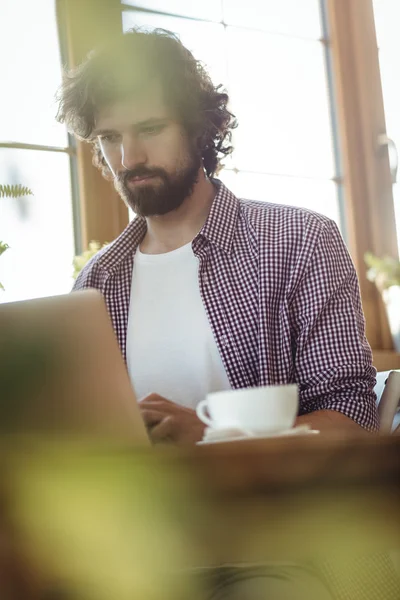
(224, 341)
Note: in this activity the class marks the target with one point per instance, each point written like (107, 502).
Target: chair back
(387, 390)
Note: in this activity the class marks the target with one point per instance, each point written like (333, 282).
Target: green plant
(384, 272)
(80, 261)
(11, 191)
(14, 191)
(18, 191)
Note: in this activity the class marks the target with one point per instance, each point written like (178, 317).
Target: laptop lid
(61, 370)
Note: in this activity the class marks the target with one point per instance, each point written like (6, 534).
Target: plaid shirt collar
(219, 229)
(220, 226)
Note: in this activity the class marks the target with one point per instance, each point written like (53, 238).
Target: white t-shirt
(170, 346)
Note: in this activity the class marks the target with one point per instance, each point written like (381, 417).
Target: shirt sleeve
(83, 281)
(332, 358)
(89, 277)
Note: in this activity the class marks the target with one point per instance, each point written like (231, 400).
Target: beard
(162, 195)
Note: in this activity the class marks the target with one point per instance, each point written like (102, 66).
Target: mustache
(123, 178)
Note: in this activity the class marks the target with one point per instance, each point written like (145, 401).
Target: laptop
(61, 371)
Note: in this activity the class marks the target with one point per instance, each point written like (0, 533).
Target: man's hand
(170, 422)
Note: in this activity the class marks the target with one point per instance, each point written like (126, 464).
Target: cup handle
(201, 413)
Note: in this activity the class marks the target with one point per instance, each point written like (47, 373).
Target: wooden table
(116, 522)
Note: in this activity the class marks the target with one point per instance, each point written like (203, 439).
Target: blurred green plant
(384, 272)
(11, 191)
(14, 191)
(104, 522)
(82, 259)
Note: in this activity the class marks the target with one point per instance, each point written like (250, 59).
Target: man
(205, 291)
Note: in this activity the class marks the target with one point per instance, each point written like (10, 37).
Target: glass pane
(206, 9)
(30, 72)
(204, 40)
(291, 17)
(279, 94)
(315, 194)
(387, 15)
(390, 68)
(39, 228)
(396, 197)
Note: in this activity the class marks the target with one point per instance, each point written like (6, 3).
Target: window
(387, 18)
(272, 59)
(305, 83)
(35, 152)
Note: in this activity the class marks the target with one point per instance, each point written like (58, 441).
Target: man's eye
(152, 129)
(110, 138)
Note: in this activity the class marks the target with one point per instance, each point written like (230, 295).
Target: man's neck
(177, 228)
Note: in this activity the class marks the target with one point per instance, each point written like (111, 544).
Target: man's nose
(132, 152)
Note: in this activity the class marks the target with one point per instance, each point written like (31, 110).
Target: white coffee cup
(264, 409)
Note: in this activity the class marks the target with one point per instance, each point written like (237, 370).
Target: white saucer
(219, 436)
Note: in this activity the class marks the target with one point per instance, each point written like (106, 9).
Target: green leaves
(14, 191)
(3, 248)
(384, 272)
(80, 261)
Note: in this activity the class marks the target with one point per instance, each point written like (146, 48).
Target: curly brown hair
(123, 66)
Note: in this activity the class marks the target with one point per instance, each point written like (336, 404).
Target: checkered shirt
(282, 299)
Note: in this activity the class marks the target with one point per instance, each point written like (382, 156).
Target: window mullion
(86, 24)
(369, 206)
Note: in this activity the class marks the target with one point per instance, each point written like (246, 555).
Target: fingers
(161, 408)
(151, 417)
(160, 427)
(163, 431)
(157, 405)
(152, 399)
(156, 411)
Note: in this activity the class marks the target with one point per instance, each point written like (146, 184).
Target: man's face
(155, 166)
